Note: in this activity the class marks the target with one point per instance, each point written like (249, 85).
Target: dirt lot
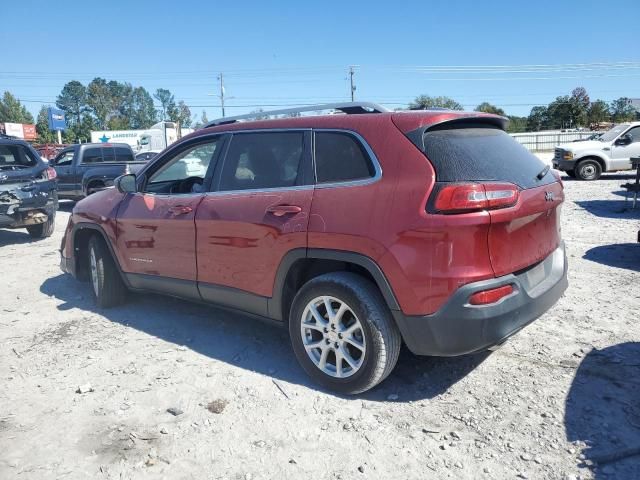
(561, 395)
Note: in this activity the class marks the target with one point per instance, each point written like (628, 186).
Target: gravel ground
(86, 393)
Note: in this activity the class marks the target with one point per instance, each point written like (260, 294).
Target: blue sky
(284, 53)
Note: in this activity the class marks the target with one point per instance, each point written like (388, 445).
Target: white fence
(541, 141)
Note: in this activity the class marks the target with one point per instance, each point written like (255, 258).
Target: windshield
(612, 134)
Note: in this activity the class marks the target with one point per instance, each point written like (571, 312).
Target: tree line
(111, 105)
(567, 111)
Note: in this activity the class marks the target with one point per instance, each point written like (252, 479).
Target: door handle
(280, 210)
(181, 209)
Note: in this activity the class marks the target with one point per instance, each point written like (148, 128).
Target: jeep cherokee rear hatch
(480, 167)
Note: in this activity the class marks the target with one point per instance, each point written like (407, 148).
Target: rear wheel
(343, 333)
(106, 282)
(43, 230)
(95, 187)
(588, 170)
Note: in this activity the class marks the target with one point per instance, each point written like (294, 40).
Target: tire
(571, 173)
(43, 230)
(367, 319)
(588, 170)
(94, 188)
(106, 283)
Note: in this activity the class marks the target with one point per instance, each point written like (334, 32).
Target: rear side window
(92, 155)
(482, 154)
(340, 157)
(262, 160)
(123, 154)
(15, 157)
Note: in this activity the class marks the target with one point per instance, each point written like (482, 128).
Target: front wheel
(43, 230)
(588, 170)
(342, 332)
(106, 282)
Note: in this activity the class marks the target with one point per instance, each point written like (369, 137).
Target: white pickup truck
(610, 153)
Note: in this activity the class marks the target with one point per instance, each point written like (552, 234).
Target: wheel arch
(601, 161)
(81, 234)
(301, 265)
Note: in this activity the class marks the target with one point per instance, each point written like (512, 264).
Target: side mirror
(624, 139)
(126, 183)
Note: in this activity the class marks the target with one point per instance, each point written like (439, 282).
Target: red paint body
(230, 239)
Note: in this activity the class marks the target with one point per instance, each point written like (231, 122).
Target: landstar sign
(56, 120)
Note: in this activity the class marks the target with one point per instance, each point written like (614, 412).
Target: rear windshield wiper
(543, 172)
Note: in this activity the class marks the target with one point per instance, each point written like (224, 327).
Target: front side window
(191, 163)
(262, 160)
(341, 157)
(64, 159)
(634, 133)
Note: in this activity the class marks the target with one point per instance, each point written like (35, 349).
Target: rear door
(520, 235)
(156, 229)
(257, 211)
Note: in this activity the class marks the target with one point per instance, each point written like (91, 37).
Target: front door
(156, 230)
(65, 171)
(257, 211)
(621, 154)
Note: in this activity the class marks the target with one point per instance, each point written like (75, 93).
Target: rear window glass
(15, 156)
(123, 154)
(340, 158)
(482, 154)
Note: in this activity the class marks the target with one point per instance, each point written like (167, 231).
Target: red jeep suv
(357, 231)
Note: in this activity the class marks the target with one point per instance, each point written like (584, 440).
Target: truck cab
(90, 167)
(611, 152)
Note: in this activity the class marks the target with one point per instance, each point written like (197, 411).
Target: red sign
(29, 131)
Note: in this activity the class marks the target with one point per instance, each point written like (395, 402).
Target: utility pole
(221, 92)
(353, 87)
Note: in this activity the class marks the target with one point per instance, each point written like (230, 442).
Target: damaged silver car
(28, 195)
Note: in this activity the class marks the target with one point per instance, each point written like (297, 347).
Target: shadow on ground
(603, 410)
(605, 176)
(622, 255)
(16, 237)
(610, 208)
(248, 343)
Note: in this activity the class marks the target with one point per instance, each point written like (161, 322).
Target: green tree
(517, 124)
(538, 119)
(180, 113)
(42, 126)
(12, 111)
(99, 100)
(167, 102)
(139, 109)
(73, 101)
(598, 112)
(425, 102)
(622, 110)
(486, 107)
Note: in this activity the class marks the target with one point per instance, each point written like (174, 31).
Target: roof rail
(350, 108)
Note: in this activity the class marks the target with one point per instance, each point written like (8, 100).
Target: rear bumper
(67, 265)
(459, 328)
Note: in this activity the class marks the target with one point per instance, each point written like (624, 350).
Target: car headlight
(567, 155)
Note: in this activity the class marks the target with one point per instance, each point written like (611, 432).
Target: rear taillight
(487, 297)
(470, 197)
(50, 174)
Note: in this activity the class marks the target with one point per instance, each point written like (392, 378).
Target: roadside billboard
(19, 130)
(56, 119)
